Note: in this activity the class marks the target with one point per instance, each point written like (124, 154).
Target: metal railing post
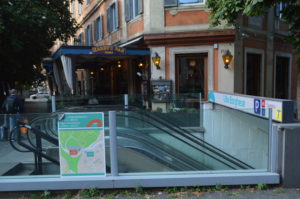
(53, 103)
(200, 111)
(113, 143)
(270, 138)
(38, 142)
(125, 101)
(126, 109)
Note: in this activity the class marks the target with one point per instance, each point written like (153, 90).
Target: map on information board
(81, 144)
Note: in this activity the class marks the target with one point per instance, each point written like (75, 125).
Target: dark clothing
(12, 105)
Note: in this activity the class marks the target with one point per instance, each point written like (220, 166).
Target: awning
(87, 50)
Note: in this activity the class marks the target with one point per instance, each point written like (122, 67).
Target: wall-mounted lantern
(156, 60)
(227, 57)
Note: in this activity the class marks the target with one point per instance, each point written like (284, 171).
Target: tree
(230, 10)
(28, 29)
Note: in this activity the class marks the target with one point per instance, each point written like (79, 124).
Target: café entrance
(112, 71)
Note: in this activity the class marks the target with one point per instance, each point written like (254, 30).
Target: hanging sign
(282, 110)
(108, 50)
(82, 144)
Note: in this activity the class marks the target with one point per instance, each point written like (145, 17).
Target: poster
(82, 144)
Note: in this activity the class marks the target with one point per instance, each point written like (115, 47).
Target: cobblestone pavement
(273, 193)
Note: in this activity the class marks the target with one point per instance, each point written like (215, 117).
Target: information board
(161, 90)
(82, 144)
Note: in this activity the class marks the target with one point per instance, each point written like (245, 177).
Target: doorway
(191, 74)
(282, 77)
(253, 74)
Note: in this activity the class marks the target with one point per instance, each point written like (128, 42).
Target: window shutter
(86, 36)
(79, 42)
(277, 10)
(108, 19)
(131, 5)
(100, 28)
(79, 8)
(140, 6)
(73, 8)
(127, 10)
(90, 35)
(169, 3)
(117, 13)
(96, 30)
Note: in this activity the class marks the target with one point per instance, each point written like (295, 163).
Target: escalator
(146, 143)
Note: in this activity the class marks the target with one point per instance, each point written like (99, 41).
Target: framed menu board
(161, 90)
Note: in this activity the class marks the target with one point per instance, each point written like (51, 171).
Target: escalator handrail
(30, 148)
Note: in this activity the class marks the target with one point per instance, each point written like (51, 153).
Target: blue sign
(257, 106)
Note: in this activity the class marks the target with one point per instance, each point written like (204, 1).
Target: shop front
(105, 70)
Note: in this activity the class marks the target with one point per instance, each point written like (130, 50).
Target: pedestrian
(13, 106)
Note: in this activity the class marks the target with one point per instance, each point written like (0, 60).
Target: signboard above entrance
(282, 110)
(108, 50)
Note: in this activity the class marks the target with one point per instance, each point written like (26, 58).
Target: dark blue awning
(87, 50)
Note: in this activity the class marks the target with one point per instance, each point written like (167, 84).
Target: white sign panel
(257, 106)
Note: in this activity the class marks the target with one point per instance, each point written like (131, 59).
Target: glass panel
(175, 139)
(158, 144)
(16, 154)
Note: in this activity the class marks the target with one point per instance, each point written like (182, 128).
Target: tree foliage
(28, 29)
(230, 10)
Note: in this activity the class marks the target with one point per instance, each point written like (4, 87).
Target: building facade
(190, 50)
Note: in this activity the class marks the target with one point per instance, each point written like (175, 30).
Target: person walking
(13, 106)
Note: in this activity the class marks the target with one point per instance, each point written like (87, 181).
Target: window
(73, 9)
(98, 33)
(88, 35)
(88, 2)
(169, 3)
(79, 8)
(190, 1)
(132, 9)
(280, 7)
(78, 41)
(112, 17)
